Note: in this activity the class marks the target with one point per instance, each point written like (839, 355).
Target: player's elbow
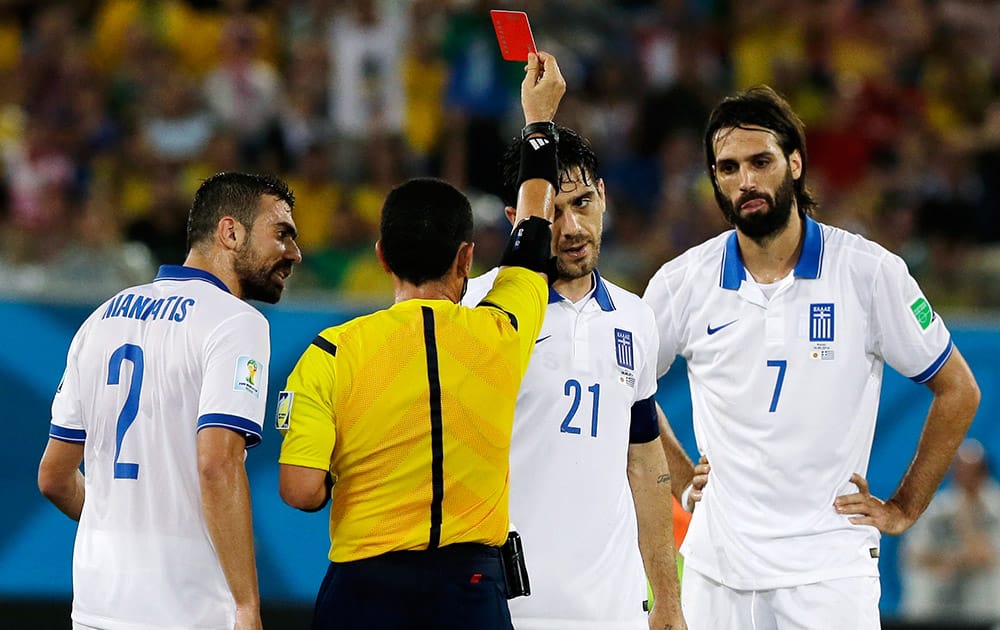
(974, 395)
(218, 469)
(53, 484)
(47, 483)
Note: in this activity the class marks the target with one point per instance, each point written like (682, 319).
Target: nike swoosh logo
(541, 339)
(712, 331)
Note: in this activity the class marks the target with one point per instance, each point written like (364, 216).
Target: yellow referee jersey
(411, 409)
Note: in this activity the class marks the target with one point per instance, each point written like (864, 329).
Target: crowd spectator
(901, 100)
(952, 554)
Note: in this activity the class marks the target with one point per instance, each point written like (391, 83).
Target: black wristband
(539, 160)
(546, 127)
(529, 245)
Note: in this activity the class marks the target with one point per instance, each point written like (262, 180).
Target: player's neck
(574, 289)
(218, 264)
(774, 258)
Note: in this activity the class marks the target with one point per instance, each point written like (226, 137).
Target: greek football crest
(821, 322)
(623, 349)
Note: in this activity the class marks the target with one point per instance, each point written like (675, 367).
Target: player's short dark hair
(234, 195)
(761, 106)
(424, 221)
(573, 151)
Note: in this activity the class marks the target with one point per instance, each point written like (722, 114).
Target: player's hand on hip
(542, 89)
(867, 509)
(698, 482)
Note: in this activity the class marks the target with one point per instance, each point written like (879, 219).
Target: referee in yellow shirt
(402, 419)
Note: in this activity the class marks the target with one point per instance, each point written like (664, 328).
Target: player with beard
(785, 324)
(589, 485)
(164, 390)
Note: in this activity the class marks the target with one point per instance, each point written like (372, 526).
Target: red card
(513, 34)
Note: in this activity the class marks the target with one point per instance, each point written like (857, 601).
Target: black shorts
(458, 586)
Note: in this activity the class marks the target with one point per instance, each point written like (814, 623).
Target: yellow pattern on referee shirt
(363, 410)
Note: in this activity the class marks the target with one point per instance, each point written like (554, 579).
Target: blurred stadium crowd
(113, 111)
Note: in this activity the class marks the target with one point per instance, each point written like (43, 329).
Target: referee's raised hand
(542, 88)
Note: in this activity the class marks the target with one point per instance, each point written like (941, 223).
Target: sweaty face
(756, 184)
(579, 221)
(265, 259)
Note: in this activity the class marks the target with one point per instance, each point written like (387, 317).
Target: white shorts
(833, 604)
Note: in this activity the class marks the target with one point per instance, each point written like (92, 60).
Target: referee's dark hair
(424, 221)
(572, 151)
(234, 195)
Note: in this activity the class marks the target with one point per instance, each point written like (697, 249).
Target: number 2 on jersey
(781, 364)
(574, 389)
(132, 353)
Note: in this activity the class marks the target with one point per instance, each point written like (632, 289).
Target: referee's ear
(463, 259)
(381, 256)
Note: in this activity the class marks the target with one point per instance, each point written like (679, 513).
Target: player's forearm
(59, 476)
(649, 480)
(535, 198)
(225, 494)
(956, 398)
(681, 466)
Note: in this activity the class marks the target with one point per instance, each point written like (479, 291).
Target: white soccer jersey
(146, 371)
(785, 393)
(569, 493)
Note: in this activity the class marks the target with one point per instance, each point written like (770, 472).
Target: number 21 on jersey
(574, 391)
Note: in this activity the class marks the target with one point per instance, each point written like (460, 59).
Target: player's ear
(230, 233)
(381, 256)
(795, 163)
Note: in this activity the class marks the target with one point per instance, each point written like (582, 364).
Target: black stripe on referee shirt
(513, 320)
(323, 344)
(437, 429)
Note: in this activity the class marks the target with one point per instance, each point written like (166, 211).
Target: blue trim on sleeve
(77, 436)
(929, 373)
(644, 426)
(248, 428)
(180, 272)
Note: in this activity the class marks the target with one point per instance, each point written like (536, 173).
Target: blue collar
(600, 294)
(809, 266)
(179, 272)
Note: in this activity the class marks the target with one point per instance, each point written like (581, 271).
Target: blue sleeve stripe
(644, 426)
(929, 373)
(67, 435)
(249, 428)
